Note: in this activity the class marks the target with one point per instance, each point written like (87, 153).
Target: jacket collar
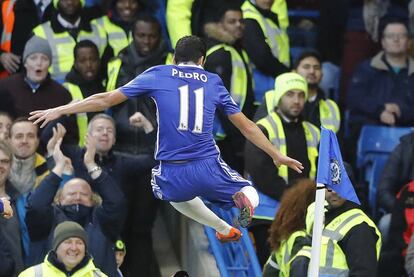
(58, 28)
(378, 62)
(52, 259)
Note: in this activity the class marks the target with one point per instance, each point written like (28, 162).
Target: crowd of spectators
(346, 64)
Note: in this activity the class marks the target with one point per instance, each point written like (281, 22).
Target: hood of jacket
(378, 62)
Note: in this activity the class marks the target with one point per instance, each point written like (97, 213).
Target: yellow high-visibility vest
(238, 84)
(81, 118)
(333, 260)
(62, 45)
(117, 38)
(273, 124)
(276, 38)
(113, 71)
(328, 111)
(47, 269)
(178, 16)
(284, 254)
(329, 114)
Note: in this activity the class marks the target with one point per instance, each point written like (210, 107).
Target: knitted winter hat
(286, 82)
(65, 230)
(37, 45)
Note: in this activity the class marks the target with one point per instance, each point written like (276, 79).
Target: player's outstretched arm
(253, 133)
(94, 103)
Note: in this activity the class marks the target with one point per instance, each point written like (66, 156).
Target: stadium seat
(374, 146)
(235, 259)
(262, 83)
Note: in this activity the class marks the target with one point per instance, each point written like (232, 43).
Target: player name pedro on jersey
(189, 75)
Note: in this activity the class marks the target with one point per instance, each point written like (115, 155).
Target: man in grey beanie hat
(65, 230)
(37, 57)
(37, 45)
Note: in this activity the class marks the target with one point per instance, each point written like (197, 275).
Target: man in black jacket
(69, 25)
(351, 242)
(398, 172)
(359, 239)
(146, 50)
(227, 58)
(76, 202)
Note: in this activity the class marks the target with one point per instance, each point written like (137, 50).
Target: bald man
(77, 201)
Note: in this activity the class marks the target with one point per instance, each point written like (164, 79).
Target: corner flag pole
(318, 225)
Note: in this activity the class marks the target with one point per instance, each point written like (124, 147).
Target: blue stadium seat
(234, 259)
(262, 83)
(374, 146)
(303, 13)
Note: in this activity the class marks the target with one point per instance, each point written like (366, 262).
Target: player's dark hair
(306, 54)
(189, 49)
(85, 44)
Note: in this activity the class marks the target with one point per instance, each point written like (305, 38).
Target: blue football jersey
(186, 97)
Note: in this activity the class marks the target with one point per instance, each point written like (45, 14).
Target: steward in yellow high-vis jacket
(266, 40)
(146, 50)
(351, 242)
(318, 110)
(67, 27)
(118, 21)
(293, 136)
(84, 79)
(68, 257)
(227, 58)
(288, 233)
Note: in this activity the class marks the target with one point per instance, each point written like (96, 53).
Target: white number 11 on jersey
(184, 109)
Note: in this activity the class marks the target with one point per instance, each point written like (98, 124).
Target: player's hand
(58, 133)
(10, 62)
(292, 163)
(45, 116)
(8, 211)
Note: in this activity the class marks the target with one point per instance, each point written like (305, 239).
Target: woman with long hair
(288, 230)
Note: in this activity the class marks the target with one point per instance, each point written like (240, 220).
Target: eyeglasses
(393, 36)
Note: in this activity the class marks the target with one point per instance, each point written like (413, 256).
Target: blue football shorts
(211, 179)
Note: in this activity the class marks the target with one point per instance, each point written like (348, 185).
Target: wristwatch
(94, 169)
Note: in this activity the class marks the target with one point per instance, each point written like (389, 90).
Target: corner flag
(331, 170)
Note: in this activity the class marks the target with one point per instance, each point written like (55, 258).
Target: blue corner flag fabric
(331, 170)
